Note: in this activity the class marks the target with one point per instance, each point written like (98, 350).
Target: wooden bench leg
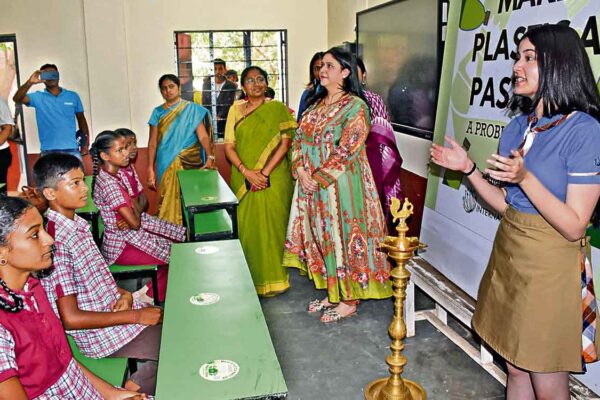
(441, 314)
(409, 309)
(485, 356)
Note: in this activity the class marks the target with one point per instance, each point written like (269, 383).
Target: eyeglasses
(259, 80)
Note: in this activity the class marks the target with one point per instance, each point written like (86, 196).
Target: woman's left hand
(508, 169)
(209, 164)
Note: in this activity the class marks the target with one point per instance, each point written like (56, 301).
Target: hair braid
(95, 163)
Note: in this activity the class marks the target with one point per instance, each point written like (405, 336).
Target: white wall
(51, 31)
(112, 52)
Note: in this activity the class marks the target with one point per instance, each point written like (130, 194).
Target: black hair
(11, 209)
(48, 66)
(231, 72)
(125, 132)
(360, 64)
(312, 82)
(102, 144)
(254, 67)
(169, 77)
(51, 168)
(270, 92)
(219, 61)
(350, 84)
(566, 80)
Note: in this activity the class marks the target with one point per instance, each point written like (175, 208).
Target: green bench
(233, 328)
(207, 200)
(138, 271)
(90, 212)
(211, 225)
(112, 370)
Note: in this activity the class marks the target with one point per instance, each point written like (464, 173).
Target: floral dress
(334, 234)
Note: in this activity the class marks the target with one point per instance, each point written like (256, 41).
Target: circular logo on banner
(219, 370)
(204, 299)
(206, 249)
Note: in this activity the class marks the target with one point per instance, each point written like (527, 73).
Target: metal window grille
(194, 55)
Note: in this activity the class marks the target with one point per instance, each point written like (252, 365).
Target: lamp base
(374, 391)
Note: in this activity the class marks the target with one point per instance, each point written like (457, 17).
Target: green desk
(233, 329)
(89, 212)
(205, 191)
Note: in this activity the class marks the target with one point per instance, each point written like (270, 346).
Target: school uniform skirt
(529, 306)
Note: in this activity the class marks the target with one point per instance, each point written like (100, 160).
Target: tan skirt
(529, 307)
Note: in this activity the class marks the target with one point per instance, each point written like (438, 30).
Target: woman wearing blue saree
(258, 136)
(177, 130)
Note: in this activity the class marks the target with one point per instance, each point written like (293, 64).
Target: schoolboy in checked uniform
(102, 318)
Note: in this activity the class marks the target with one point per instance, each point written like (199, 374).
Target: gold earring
(3, 261)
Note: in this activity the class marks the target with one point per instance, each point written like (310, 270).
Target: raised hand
(453, 157)
(508, 169)
(35, 78)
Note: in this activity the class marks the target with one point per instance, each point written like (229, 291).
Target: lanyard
(532, 131)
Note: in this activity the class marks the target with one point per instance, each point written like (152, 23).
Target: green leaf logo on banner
(472, 15)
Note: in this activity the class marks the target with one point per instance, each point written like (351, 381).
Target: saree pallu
(385, 161)
(178, 148)
(529, 304)
(263, 215)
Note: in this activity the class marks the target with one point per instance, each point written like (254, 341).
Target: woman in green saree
(177, 129)
(258, 136)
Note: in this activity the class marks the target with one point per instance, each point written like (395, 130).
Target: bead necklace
(15, 298)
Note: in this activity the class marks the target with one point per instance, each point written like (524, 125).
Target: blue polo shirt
(567, 154)
(55, 116)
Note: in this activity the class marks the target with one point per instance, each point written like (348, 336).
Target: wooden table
(204, 194)
(233, 328)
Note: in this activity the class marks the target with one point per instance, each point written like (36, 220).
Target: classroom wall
(112, 52)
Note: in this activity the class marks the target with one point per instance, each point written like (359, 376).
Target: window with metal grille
(195, 52)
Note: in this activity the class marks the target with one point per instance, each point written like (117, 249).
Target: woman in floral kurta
(336, 221)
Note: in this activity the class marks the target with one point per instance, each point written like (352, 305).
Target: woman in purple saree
(382, 151)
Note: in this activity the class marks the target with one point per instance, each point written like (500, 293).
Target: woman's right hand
(258, 180)
(151, 179)
(308, 184)
(453, 157)
(149, 316)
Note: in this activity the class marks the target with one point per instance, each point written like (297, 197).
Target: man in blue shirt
(57, 109)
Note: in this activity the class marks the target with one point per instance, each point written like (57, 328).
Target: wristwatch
(211, 157)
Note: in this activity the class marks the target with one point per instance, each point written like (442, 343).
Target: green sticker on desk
(219, 370)
(204, 299)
